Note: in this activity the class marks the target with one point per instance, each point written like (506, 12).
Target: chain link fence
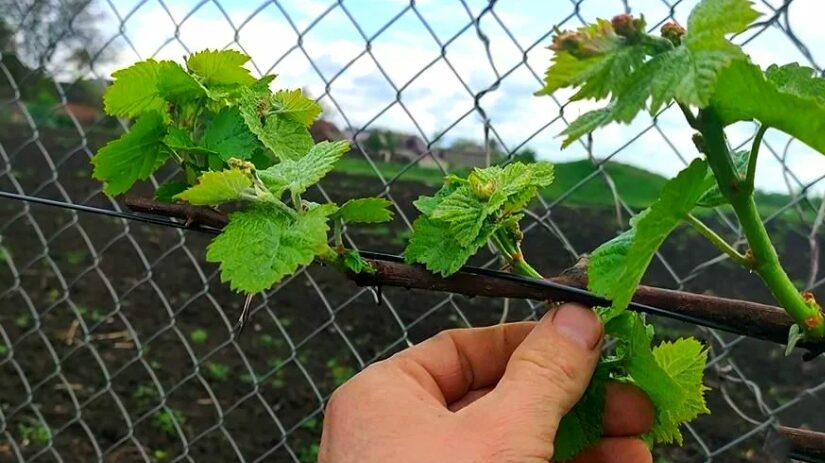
(116, 339)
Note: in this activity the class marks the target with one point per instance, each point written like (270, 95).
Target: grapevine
(247, 151)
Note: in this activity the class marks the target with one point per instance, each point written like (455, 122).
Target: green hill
(578, 183)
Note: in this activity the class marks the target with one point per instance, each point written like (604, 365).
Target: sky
(381, 63)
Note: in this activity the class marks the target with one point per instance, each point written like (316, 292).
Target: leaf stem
(766, 263)
(757, 142)
(691, 118)
(508, 248)
(338, 228)
(719, 242)
(296, 202)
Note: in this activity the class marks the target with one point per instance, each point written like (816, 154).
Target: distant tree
(383, 143)
(40, 31)
(527, 155)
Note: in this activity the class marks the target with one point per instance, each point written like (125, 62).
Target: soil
(119, 338)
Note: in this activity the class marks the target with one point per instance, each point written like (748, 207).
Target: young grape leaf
(705, 51)
(176, 85)
(427, 204)
(286, 138)
(462, 213)
(581, 427)
(262, 244)
(606, 264)
(179, 140)
(214, 188)
(353, 262)
(513, 178)
(683, 360)
(166, 192)
(787, 100)
(797, 80)
(687, 73)
(133, 156)
(365, 210)
(293, 104)
(433, 245)
(511, 186)
(618, 265)
(135, 90)
(223, 67)
(594, 58)
(228, 135)
(670, 374)
(299, 174)
(711, 20)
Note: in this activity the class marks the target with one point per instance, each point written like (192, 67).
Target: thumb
(546, 375)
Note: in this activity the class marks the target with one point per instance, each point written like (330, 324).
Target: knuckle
(337, 401)
(558, 371)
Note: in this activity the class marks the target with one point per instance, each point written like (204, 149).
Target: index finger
(456, 361)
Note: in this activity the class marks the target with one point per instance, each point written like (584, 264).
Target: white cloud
(436, 97)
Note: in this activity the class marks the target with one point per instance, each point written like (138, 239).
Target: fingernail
(579, 324)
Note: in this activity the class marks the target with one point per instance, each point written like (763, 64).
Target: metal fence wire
(116, 339)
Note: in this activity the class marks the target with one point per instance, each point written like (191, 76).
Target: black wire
(109, 212)
(576, 294)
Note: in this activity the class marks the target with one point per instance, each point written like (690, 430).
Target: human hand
(482, 395)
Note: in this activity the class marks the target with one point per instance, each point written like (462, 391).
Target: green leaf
(133, 156)
(366, 210)
(586, 123)
(701, 71)
(298, 175)
(134, 90)
(606, 264)
(294, 105)
(427, 204)
(581, 427)
(684, 361)
(228, 135)
(711, 20)
(180, 140)
(286, 138)
(600, 64)
(670, 374)
(689, 72)
(463, 213)
(714, 196)
(262, 244)
(166, 192)
(618, 265)
(785, 101)
(353, 262)
(797, 80)
(223, 67)
(434, 246)
(710, 51)
(176, 85)
(507, 186)
(214, 188)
